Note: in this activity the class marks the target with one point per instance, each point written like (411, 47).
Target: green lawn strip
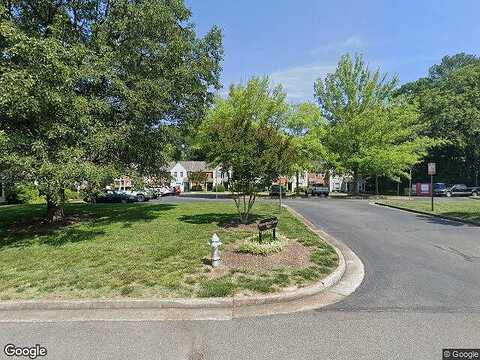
(468, 209)
(135, 250)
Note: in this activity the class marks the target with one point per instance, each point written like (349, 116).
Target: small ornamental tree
(243, 135)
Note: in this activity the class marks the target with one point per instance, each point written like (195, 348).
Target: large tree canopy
(91, 88)
(449, 105)
(369, 132)
(243, 133)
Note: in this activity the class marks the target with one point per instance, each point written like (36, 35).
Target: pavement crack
(466, 257)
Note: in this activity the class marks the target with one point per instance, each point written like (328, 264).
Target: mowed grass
(136, 250)
(462, 208)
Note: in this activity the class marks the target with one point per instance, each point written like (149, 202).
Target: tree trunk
(55, 212)
(298, 182)
(376, 185)
(355, 183)
(55, 209)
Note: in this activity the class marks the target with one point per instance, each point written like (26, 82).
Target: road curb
(420, 212)
(333, 288)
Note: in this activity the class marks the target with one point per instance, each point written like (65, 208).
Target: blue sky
(296, 41)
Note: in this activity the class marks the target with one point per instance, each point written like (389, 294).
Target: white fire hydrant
(215, 244)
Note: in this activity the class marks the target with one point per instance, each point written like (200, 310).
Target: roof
(195, 166)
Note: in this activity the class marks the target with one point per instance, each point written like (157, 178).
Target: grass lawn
(138, 250)
(462, 208)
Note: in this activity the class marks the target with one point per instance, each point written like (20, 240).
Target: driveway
(421, 293)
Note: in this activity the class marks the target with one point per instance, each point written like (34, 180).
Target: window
(181, 174)
(175, 174)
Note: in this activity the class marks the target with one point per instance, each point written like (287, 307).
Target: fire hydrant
(215, 244)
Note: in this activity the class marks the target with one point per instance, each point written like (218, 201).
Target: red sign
(431, 169)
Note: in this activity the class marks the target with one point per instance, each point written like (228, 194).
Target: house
(181, 173)
(344, 183)
(124, 183)
(3, 195)
(291, 182)
(336, 183)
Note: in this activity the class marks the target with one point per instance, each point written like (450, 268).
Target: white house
(3, 196)
(180, 171)
(345, 183)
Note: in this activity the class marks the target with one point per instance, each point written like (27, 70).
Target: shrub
(267, 246)
(23, 194)
(72, 195)
(220, 188)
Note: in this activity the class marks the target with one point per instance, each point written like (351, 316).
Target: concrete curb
(420, 212)
(333, 288)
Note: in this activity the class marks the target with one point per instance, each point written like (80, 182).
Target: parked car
(319, 190)
(462, 190)
(275, 190)
(113, 197)
(439, 189)
(142, 195)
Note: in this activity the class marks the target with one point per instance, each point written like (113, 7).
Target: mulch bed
(293, 255)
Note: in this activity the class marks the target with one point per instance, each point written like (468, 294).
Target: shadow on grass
(24, 225)
(446, 222)
(220, 219)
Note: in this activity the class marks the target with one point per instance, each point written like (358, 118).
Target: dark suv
(462, 190)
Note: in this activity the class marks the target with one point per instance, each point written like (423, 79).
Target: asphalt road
(421, 293)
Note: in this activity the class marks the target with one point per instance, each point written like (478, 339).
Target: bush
(268, 246)
(72, 195)
(23, 194)
(220, 188)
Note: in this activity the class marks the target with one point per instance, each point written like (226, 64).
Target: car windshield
(439, 186)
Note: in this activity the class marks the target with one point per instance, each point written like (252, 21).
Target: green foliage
(449, 107)
(267, 246)
(23, 194)
(220, 188)
(369, 131)
(307, 125)
(242, 133)
(91, 89)
(216, 288)
(197, 179)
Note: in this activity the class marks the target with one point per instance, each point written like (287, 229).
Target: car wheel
(474, 193)
(141, 198)
(449, 194)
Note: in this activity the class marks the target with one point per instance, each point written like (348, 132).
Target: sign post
(280, 199)
(431, 171)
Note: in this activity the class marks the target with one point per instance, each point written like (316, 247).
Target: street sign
(431, 169)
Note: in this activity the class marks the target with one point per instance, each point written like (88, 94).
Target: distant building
(181, 173)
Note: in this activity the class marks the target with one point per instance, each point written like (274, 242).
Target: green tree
(307, 125)
(243, 134)
(198, 178)
(449, 106)
(93, 88)
(369, 132)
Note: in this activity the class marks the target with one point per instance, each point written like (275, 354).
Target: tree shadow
(83, 222)
(445, 222)
(220, 219)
